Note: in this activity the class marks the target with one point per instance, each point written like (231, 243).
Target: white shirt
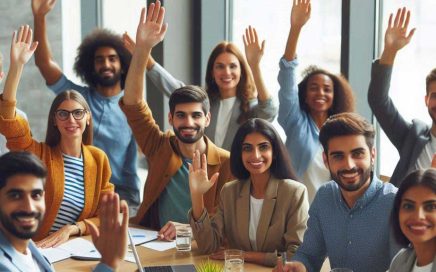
(425, 268)
(255, 210)
(424, 159)
(316, 174)
(28, 261)
(223, 119)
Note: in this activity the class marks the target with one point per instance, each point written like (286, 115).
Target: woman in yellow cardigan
(78, 173)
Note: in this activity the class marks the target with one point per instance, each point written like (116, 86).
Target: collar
(271, 188)
(365, 199)
(112, 99)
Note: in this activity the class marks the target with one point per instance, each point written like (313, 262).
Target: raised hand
(42, 7)
(111, 239)
(128, 42)
(151, 29)
(300, 13)
(253, 50)
(22, 47)
(199, 183)
(396, 36)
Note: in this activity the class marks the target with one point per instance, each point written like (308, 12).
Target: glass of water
(234, 260)
(183, 238)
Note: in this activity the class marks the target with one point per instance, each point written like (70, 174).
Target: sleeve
(147, 133)
(391, 121)
(64, 84)
(289, 105)
(312, 251)
(163, 80)
(208, 231)
(266, 110)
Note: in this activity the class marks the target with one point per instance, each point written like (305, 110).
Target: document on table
(79, 248)
(160, 245)
(141, 236)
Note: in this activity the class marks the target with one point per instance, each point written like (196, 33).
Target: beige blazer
(281, 226)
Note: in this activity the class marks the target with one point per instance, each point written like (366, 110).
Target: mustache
(195, 128)
(349, 171)
(102, 70)
(36, 215)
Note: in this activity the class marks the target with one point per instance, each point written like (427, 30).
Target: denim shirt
(358, 238)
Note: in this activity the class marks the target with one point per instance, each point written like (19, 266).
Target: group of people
(223, 168)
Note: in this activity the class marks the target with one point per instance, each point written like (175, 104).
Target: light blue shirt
(111, 133)
(301, 131)
(357, 238)
(175, 200)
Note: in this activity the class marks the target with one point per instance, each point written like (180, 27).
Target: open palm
(22, 47)
(253, 49)
(396, 36)
(151, 29)
(300, 13)
(42, 7)
(199, 183)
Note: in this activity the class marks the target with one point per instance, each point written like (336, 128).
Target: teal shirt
(175, 200)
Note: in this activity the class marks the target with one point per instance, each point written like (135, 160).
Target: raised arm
(254, 53)
(49, 69)
(396, 36)
(300, 14)
(22, 49)
(150, 32)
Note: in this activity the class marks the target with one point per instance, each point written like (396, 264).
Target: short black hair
(84, 65)
(20, 163)
(345, 124)
(281, 165)
(189, 94)
(425, 178)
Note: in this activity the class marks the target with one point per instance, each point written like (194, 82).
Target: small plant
(208, 266)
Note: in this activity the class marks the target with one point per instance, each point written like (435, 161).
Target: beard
(20, 232)
(364, 174)
(433, 118)
(106, 81)
(189, 139)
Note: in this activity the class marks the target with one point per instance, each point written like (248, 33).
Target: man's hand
(128, 42)
(290, 267)
(42, 7)
(151, 29)
(167, 232)
(111, 239)
(199, 183)
(300, 13)
(253, 50)
(22, 47)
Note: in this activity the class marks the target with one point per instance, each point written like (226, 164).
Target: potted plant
(209, 266)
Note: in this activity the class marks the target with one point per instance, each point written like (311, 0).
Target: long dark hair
(281, 164)
(245, 89)
(343, 98)
(425, 178)
(53, 136)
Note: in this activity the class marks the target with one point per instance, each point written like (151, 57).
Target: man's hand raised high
(151, 29)
(42, 7)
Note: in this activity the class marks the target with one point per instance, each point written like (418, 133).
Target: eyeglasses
(63, 115)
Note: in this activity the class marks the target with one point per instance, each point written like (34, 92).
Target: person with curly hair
(305, 107)
(234, 85)
(102, 63)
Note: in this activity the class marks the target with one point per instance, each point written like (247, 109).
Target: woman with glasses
(78, 173)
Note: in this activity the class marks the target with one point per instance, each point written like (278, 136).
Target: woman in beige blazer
(262, 212)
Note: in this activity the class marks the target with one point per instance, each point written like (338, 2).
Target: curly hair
(84, 65)
(245, 89)
(343, 98)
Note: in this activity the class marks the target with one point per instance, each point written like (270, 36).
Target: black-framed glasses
(63, 115)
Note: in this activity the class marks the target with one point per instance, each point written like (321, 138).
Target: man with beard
(415, 141)
(102, 62)
(166, 194)
(22, 207)
(349, 219)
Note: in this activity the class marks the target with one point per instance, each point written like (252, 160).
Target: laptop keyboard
(158, 269)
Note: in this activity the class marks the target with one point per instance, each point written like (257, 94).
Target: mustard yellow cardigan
(97, 170)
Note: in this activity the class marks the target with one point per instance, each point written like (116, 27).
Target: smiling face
(417, 215)
(350, 161)
(319, 93)
(22, 206)
(257, 154)
(71, 128)
(430, 100)
(226, 73)
(189, 122)
(107, 66)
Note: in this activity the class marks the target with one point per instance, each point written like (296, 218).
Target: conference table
(151, 257)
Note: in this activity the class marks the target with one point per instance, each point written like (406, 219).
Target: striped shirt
(74, 195)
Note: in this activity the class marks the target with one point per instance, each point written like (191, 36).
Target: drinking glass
(234, 260)
(183, 238)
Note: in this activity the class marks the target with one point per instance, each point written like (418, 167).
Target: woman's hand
(300, 13)
(199, 183)
(59, 237)
(42, 7)
(22, 47)
(253, 50)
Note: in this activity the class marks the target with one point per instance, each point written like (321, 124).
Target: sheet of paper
(129, 257)
(160, 245)
(54, 254)
(76, 247)
(141, 236)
